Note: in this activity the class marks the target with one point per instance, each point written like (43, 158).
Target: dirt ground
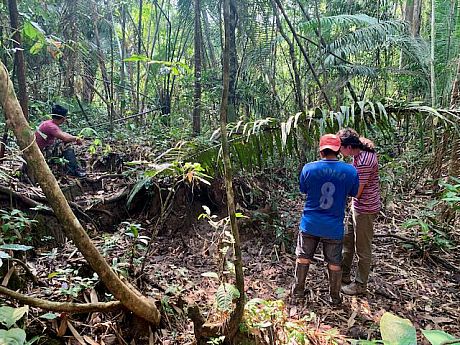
(415, 284)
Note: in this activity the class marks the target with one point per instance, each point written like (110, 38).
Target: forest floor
(421, 285)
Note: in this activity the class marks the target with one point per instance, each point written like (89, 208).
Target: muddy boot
(346, 278)
(298, 288)
(354, 289)
(335, 282)
(73, 168)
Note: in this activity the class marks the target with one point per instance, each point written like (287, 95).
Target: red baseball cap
(329, 141)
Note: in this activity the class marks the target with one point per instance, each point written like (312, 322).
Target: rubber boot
(298, 288)
(73, 168)
(335, 283)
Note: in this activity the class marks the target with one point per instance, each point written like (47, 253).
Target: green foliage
(72, 283)
(436, 337)
(139, 243)
(397, 331)
(451, 193)
(225, 295)
(14, 224)
(8, 318)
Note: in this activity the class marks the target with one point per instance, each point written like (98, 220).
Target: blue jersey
(327, 184)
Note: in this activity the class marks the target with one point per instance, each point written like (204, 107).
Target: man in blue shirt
(327, 184)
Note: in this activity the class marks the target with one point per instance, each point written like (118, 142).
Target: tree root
(75, 308)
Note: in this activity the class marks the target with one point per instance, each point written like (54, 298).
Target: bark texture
(130, 298)
(19, 57)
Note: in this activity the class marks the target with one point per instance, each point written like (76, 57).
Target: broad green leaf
(50, 316)
(4, 255)
(397, 331)
(15, 336)
(88, 132)
(436, 337)
(17, 247)
(37, 47)
(9, 315)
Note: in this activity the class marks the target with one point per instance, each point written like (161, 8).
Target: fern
(225, 295)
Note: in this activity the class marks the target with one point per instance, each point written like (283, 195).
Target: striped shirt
(368, 170)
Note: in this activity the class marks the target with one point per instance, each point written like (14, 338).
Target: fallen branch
(75, 308)
(26, 268)
(434, 258)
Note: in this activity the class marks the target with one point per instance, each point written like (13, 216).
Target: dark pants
(61, 154)
(307, 244)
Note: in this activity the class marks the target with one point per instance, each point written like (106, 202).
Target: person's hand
(79, 141)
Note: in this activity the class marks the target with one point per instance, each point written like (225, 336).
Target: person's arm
(303, 180)
(360, 190)
(66, 137)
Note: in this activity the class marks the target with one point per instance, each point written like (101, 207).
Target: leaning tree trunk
(131, 299)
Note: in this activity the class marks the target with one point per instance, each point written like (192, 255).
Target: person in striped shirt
(365, 208)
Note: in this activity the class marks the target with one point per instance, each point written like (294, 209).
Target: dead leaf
(351, 321)
(76, 334)
(93, 296)
(63, 326)
(89, 340)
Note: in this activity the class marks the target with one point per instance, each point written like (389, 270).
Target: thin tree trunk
(233, 68)
(131, 299)
(297, 85)
(212, 54)
(123, 56)
(235, 318)
(70, 33)
(105, 78)
(139, 42)
(197, 96)
(432, 55)
(304, 53)
(19, 57)
(454, 161)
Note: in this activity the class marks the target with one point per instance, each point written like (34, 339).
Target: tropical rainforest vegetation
(196, 117)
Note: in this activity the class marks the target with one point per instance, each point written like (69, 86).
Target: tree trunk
(131, 299)
(297, 85)
(19, 57)
(454, 161)
(197, 96)
(233, 60)
(122, 62)
(139, 42)
(70, 34)
(416, 18)
(432, 55)
(231, 328)
(305, 55)
(212, 55)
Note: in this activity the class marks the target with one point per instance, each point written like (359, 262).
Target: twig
(67, 307)
(26, 268)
